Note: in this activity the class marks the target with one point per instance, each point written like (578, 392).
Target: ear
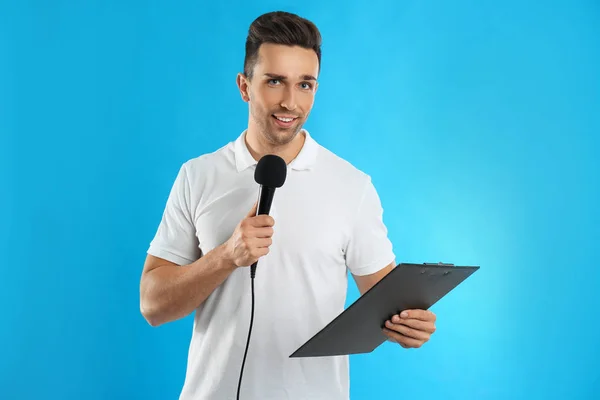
(242, 83)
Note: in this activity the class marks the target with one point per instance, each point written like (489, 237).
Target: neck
(259, 146)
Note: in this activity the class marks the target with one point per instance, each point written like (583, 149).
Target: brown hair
(280, 27)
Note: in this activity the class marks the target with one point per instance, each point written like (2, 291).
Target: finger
(261, 221)
(260, 252)
(266, 232)
(417, 324)
(252, 212)
(408, 332)
(259, 243)
(402, 340)
(423, 315)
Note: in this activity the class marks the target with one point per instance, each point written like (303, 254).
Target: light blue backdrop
(478, 121)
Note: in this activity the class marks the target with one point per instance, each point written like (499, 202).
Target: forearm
(171, 292)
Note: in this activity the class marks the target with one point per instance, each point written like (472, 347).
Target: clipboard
(358, 329)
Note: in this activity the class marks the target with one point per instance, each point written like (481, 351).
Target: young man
(324, 221)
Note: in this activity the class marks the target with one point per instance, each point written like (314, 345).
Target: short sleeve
(175, 239)
(369, 248)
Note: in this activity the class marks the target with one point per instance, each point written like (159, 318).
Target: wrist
(225, 256)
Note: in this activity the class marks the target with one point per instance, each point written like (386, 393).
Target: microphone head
(271, 171)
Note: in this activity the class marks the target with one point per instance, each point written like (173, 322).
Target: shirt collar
(305, 160)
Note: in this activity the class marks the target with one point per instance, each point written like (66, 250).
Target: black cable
(249, 333)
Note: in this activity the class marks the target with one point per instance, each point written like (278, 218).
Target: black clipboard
(358, 329)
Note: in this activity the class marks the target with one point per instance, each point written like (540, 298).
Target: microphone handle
(265, 200)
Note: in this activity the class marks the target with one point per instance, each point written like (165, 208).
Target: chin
(282, 137)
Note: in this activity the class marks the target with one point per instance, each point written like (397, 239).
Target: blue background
(479, 122)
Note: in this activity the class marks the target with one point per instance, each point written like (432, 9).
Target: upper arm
(175, 239)
(368, 248)
(153, 262)
(366, 282)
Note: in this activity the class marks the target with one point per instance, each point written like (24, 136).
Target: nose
(289, 101)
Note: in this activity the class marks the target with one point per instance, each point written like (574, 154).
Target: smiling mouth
(285, 119)
(284, 122)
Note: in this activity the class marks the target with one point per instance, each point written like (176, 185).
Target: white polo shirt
(328, 221)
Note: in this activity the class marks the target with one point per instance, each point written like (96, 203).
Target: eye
(273, 82)
(306, 85)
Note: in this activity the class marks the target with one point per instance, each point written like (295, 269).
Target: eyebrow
(282, 77)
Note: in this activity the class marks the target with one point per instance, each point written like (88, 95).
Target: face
(281, 92)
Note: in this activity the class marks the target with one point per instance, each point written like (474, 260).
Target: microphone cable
(252, 274)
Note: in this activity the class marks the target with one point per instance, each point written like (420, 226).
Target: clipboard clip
(441, 264)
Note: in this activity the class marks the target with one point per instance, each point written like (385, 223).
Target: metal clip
(440, 264)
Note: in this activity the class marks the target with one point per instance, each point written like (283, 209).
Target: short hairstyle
(280, 27)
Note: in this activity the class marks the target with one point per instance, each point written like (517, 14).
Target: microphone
(270, 174)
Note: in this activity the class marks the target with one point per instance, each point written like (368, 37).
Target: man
(324, 221)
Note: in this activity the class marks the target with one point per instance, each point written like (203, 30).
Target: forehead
(292, 61)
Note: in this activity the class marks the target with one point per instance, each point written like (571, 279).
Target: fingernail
(396, 318)
(388, 323)
(404, 314)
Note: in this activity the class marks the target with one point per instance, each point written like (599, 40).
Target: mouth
(284, 121)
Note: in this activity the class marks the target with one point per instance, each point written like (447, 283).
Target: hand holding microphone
(251, 238)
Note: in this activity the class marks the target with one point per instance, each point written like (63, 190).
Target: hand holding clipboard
(359, 329)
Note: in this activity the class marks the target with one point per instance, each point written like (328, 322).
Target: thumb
(253, 211)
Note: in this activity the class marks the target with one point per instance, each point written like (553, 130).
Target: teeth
(285, 119)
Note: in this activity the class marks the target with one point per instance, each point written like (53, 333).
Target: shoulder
(201, 166)
(198, 174)
(341, 170)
